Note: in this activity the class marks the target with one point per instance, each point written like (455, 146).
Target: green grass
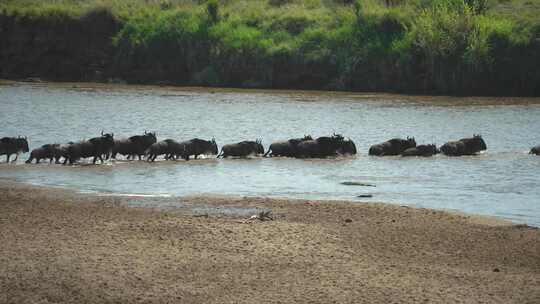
(443, 44)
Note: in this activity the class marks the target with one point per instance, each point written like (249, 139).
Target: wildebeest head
(411, 143)
(259, 149)
(151, 135)
(22, 143)
(348, 147)
(107, 138)
(479, 142)
(338, 137)
(214, 146)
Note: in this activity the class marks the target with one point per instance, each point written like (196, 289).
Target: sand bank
(59, 246)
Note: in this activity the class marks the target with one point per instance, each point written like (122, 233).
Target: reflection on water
(504, 181)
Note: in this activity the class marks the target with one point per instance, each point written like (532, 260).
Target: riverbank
(58, 246)
(461, 48)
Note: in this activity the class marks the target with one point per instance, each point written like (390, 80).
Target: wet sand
(62, 247)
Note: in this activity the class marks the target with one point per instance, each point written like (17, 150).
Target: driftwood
(357, 184)
(261, 216)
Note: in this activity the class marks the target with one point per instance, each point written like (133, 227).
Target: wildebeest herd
(146, 146)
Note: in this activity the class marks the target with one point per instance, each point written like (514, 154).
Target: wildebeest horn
(101, 132)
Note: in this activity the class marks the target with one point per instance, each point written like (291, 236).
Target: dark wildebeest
(286, 148)
(167, 147)
(48, 151)
(321, 147)
(347, 147)
(464, 146)
(394, 146)
(13, 145)
(197, 147)
(94, 147)
(242, 149)
(421, 150)
(134, 145)
(60, 151)
(535, 150)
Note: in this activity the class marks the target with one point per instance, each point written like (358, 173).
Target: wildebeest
(197, 147)
(95, 147)
(168, 147)
(535, 150)
(394, 146)
(134, 145)
(61, 150)
(324, 146)
(242, 149)
(13, 145)
(286, 148)
(48, 151)
(421, 150)
(464, 146)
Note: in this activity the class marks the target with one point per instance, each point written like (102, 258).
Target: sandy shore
(57, 246)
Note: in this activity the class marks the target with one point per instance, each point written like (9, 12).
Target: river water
(504, 181)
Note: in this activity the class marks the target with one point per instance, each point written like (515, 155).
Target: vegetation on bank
(458, 47)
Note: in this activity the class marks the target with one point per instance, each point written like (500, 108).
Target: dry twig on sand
(261, 216)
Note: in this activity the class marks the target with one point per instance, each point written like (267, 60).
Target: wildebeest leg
(96, 157)
(16, 157)
(196, 156)
(7, 158)
(186, 157)
(37, 160)
(139, 156)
